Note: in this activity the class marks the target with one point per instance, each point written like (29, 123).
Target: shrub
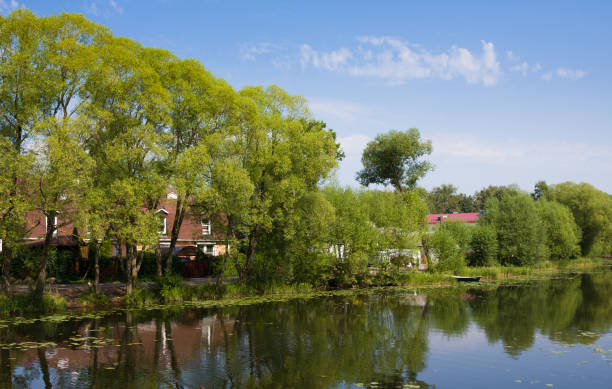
(520, 236)
(448, 256)
(483, 247)
(561, 232)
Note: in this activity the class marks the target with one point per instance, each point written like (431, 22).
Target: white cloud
(573, 74)
(333, 60)
(92, 9)
(547, 76)
(251, 52)
(338, 109)
(396, 61)
(511, 57)
(115, 6)
(6, 6)
(524, 68)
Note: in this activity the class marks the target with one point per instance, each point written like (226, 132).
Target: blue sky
(509, 92)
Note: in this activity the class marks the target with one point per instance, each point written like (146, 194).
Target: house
(197, 233)
(434, 219)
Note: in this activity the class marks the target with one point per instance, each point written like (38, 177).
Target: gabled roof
(470, 217)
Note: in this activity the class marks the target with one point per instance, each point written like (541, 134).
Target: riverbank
(203, 293)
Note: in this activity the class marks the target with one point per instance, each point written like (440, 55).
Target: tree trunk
(228, 238)
(221, 272)
(42, 270)
(158, 260)
(244, 270)
(6, 271)
(97, 268)
(179, 214)
(129, 269)
(44, 368)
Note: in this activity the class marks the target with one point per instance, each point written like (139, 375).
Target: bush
(483, 247)
(348, 271)
(562, 233)
(170, 288)
(448, 256)
(520, 236)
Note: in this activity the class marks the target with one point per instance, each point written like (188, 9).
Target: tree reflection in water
(380, 338)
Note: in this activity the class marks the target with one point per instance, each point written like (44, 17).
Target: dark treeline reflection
(317, 343)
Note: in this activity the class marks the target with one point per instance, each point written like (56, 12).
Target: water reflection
(380, 340)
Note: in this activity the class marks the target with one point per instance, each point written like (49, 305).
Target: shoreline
(202, 296)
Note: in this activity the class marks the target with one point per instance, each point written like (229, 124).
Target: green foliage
(169, 288)
(592, 211)
(483, 246)
(461, 233)
(561, 232)
(497, 192)
(29, 303)
(395, 158)
(520, 234)
(447, 253)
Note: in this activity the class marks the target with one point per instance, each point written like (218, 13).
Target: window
(162, 223)
(162, 213)
(206, 227)
(209, 249)
(54, 224)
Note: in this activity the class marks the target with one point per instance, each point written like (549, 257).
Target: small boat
(467, 279)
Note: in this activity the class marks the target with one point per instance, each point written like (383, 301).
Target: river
(540, 333)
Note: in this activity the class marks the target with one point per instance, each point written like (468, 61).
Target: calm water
(554, 333)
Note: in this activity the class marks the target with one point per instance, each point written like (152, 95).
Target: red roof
(471, 217)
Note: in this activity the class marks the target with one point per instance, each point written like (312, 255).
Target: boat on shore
(467, 279)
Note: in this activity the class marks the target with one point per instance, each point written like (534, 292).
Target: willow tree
(278, 153)
(128, 112)
(202, 111)
(43, 64)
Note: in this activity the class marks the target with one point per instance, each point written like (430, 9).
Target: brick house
(196, 234)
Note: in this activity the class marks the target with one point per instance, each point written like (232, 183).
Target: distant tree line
(554, 222)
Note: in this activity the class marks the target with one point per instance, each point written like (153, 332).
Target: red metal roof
(471, 217)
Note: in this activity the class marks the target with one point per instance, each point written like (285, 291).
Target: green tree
(127, 113)
(447, 252)
(592, 210)
(483, 246)
(61, 172)
(282, 154)
(14, 202)
(562, 233)
(202, 111)
(540, 190)
(395, 158)
(519, 230)
(492, 191)
(443, 199)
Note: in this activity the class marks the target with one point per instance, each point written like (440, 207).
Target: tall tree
(282, 154)
(395, 158)
(592, 210)
(443, 199)
(128, 112)
(201, 111)
(520, 236)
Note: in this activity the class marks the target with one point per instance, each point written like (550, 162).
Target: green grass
(26, 304)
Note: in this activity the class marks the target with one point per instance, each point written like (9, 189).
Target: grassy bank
(27, 304)
(171, 290)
